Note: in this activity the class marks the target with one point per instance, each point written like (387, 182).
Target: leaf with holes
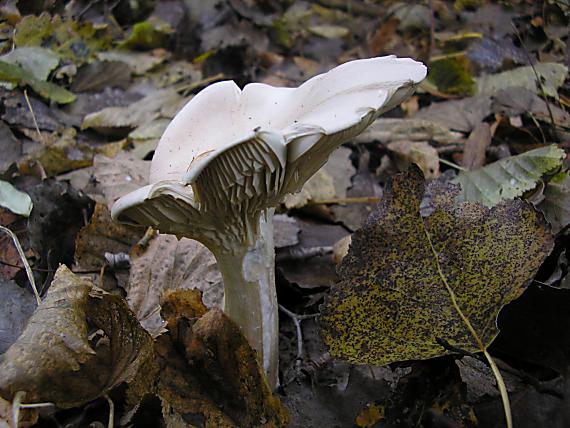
(416, 287)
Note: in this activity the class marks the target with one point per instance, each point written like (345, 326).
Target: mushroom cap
(244, 150)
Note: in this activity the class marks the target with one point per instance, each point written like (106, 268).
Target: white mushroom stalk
(230, 156)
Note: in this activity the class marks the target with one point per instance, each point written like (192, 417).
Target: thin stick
(17, 405)
(33, 115)
(296, 318)
(451, 164)
(24, 261)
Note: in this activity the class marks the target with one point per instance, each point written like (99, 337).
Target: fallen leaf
(410, 283)
(451, 74)
(11, 147)
(101, 236)
(139, 62)
(329, 31)
(210, 375)
(476, 146)
(320, 186)
(124, 119)
(556, 203)
(55, 360)
(420, 153)
(458, 115)
(16, 74)
(38, 61)
(70, 39)
(167, 263)
(149, 34)
(18, 304)
(517, 101)
(16, 201)
(98, 75)
(551, 75)
(58, 215)
(387, 130)
(510, 177)
(117, 176)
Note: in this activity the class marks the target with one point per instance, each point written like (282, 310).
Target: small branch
(296, 318)
(24, 261)
(17, 405)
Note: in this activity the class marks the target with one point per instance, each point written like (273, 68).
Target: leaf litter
(125, 69)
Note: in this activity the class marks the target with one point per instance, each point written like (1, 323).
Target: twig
(17, 405)
(451, 164)
(33, 115)
(296, 318)
(24, 261)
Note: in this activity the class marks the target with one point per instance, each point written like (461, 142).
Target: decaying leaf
(319, 187)
(552, 76)
(101, 236)
(414, 287)
(209, 373)
(124, 119)
(386, 130)
(75, 347)
(420, 153)
(556, 203)
(509, 177)
(167, 263)
(17, 306)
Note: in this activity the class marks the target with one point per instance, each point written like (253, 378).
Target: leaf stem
(494, 368)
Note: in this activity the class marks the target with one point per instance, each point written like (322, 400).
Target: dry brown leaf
(476, 145)
(209, 373)
(169, 264)
(59, 359)
(102, 236)
(420, 153)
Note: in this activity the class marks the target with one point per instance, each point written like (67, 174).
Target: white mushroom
(230, 156)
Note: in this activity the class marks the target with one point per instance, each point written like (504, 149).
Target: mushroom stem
(250, 299)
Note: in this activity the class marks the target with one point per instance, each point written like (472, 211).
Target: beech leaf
(510, 177)
(417, 287)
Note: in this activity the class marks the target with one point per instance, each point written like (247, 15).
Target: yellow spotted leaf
(417, 284)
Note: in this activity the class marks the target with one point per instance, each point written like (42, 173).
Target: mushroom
(231, 155)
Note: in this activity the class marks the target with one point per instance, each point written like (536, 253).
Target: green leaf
(37, 61)
(147, 35)
(509, 177)
(72, 40)
(451, 74)
(16, 74)
(417, 287)
(17, 202)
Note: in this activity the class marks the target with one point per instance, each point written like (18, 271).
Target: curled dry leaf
(75, 347)
(415, 287)
(209, 373)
